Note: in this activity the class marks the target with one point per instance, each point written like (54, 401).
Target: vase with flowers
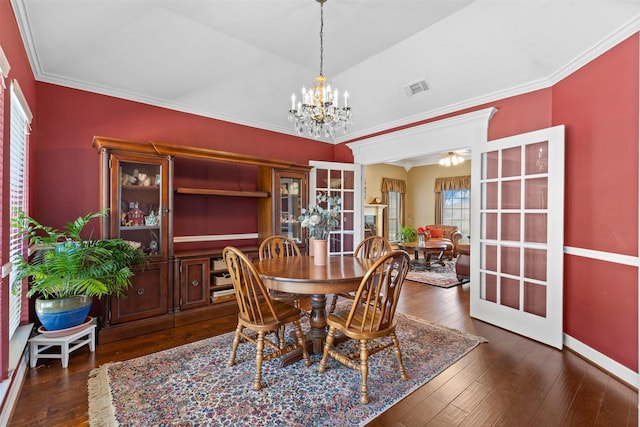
(423, 235)
(321, 219)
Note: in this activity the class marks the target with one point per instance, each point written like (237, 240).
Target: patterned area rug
(439, 275)
(192, 384)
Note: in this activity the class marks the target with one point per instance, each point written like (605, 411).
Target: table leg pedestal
(318, 323)
(317, 334)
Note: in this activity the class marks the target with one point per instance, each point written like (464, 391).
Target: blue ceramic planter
(63, 313)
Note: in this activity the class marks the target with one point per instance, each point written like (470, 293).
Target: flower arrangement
(323, 217)
(423, 235)
(423, 230)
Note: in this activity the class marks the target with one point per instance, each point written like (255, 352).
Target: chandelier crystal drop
(451, 159)
(319, 110)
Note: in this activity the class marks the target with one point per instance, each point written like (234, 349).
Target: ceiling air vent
(416, 87)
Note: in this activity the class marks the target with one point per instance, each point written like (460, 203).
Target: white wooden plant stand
(67, 343)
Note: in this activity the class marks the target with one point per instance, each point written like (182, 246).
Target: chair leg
(327, 345)
(333, 303)
(398, 353)
(257, 381)
(281, 336)
(302, 343)
(234, 346)
(364, 372)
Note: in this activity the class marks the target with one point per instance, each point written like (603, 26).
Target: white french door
(517, 246)
(344, 180)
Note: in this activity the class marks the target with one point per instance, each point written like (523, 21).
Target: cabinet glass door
(290, 206)
(140, 204)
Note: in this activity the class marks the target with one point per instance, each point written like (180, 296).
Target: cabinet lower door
(147, 296)
(194, 283)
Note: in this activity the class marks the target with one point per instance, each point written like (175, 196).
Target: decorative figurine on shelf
(153, 247)
(135, 215)
(152, 219)
(124, 222)
(144, 179)
(295, 188)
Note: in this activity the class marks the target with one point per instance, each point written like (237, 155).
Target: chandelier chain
(319, 111)
(321, 35)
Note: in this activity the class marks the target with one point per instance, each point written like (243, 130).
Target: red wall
(66, 165)
(598, 104)
(13, 48)
(600, 108)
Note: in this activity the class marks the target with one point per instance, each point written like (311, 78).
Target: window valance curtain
(398, 186)
(448, 184)
(392, 184)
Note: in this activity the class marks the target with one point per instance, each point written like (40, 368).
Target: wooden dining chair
(260, 313)
(278, 246)
(370, 317)
(372, 247)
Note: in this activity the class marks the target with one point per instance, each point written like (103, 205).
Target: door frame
(454, 133)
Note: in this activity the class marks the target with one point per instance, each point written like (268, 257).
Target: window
(456, 211)
(394, 209)
(393, 191)
(20, 120)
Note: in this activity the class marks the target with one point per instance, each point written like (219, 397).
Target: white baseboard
(614, 368)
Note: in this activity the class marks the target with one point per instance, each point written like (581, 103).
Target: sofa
(463, 261)
(445, 232)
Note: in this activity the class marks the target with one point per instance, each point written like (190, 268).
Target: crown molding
(615, 38)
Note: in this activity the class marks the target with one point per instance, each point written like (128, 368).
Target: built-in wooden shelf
(228, 193)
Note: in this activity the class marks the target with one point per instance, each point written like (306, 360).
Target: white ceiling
(240, 60)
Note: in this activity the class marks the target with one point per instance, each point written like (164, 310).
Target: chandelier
(319, 111)
(451, 159)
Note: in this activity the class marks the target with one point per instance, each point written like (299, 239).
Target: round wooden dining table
(299, 275)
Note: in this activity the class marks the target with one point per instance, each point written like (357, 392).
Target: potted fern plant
(67, 269)
(408, 234)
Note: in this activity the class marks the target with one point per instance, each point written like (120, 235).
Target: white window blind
(4, 71)
(20, 120)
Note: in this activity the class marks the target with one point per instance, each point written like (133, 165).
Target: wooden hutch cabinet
(136, 188)
(184, 205)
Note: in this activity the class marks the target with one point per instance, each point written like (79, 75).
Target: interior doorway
(419, 146)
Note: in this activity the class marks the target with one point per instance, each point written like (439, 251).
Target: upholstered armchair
(446, 232)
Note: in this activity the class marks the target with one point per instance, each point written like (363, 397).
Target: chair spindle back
(251, 293)
(277, 247)
(372, 247)
(378, 294)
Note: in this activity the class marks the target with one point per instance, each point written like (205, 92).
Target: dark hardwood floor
(510, 381)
